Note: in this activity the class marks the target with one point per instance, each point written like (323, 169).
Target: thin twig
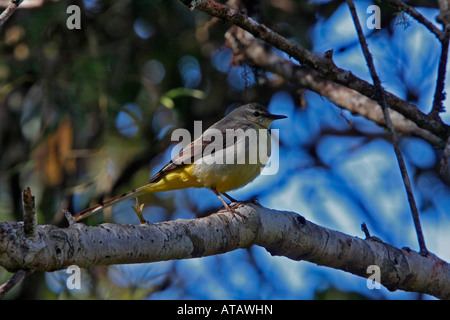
(13, 281)
(439, 94)
(276, 231)
(418, 16)
(365, 230)
(443, 36)
(393, 136)
(29, 213)
(13, 5)
(69, 217)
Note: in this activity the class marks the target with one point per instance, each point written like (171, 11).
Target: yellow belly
(223, 177)
(226, 177)
(180, 178)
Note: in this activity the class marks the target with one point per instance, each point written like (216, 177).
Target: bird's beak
(276, 116)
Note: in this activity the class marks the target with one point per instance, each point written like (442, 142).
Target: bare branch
(439, 94)
(281, 233)
(69, 217)
(392, 134)
(443, 36)
(327, 70)
(247, 47)
(13, 281)
(13, 5)
(29, 213)
(400, 5)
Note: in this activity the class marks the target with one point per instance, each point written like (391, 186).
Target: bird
(222, 159)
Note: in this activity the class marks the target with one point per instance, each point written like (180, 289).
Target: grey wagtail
(228, 165)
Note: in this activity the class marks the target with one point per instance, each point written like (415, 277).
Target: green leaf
(167, 99)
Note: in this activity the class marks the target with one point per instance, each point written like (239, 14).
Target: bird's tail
(108, 203)
(179, 178)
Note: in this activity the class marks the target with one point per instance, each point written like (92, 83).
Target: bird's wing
(193, 151)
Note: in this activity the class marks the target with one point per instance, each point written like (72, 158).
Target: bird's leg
(229, 197)
(237, 203)
(226, 204)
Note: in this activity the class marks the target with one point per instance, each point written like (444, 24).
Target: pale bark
(281, 233)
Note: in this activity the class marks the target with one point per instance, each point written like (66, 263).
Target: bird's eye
(256, 114)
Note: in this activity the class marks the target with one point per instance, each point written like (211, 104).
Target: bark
(281, 233)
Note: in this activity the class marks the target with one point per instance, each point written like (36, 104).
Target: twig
(393, 136)
(418, 16)
(69, 217)
(13, 5)
(443, 36)
(439, 94)
(13, 281)
(29, 214)
(365, 230)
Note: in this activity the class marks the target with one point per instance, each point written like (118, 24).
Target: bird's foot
(234, 212)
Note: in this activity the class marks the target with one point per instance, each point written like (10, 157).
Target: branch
(439, 94)
(400, 5)
(281, 233)
(13, 5)
(392, 133)
(248, 49)
(443, 36)
(320, 64)
(30, 235)
(13, 281)
(29, 213)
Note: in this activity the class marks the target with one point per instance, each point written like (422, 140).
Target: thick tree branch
(30, 234)
(281, 233)
(320, 64)
(248, 49)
